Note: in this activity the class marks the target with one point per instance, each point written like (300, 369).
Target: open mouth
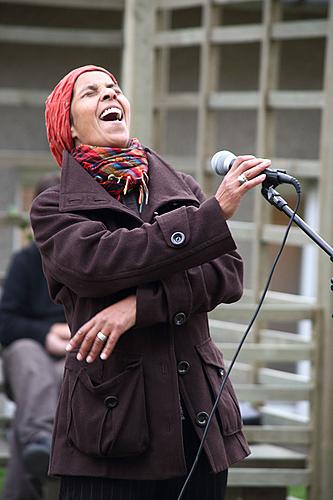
(111, 114)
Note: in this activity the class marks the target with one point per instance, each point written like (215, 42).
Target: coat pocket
(228, 408)
(108, 418)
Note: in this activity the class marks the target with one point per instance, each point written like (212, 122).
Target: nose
(108, 93)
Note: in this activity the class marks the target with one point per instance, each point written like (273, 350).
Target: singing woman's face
(100, 113)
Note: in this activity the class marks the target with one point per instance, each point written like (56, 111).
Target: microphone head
(222, 161)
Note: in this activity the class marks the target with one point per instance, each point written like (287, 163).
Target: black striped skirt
(203, 485)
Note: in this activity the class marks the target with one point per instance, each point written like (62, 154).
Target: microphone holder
(275, 199)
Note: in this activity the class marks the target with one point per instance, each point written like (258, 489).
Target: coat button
(183, 367)
(177, 238)
(202, 418)
(111, 401)
(179, 319)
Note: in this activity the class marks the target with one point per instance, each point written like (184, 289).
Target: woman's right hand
(110, 323)
(231, 191)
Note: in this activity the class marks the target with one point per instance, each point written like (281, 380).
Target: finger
(79, 335)
(110, 345)
(87, 343)
(248, 164)
(253, 182)
(239, 160)
(97, 347)
(257, 170)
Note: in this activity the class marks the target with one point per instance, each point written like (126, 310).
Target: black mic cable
(252, 320)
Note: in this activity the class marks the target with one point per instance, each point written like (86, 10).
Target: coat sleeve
(16, 321)
(93, 261)
(195, 290)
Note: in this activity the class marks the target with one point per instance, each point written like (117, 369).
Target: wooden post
(323, 432)
(137, 67)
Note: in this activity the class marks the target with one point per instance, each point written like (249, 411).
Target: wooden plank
(269, 312)
(309, 169)
(178, 100)
(268, 392)
(22, 97)
(291, 30)
(178, 4)
(29, 160)
(323, 401)
(284, 434)
(233, 100)
(179, 38)
(80, 4)
(137, 66)
(274, 233)
(272, 455)
(279, 99)
(270, 376)
(277, 416)
(268, 352)
(262, 477)
(183, 163)
(230, 2)
(60, 36)
(237, 34)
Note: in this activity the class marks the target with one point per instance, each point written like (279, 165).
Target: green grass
(297, 492)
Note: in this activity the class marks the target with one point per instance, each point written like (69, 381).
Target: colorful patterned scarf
(118, 170)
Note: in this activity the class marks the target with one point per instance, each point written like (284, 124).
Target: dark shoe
(36, 457)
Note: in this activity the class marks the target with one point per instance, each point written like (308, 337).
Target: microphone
(222, 162)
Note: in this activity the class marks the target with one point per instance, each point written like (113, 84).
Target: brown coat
(121, 418)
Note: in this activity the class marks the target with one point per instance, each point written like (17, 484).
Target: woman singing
(138, 256)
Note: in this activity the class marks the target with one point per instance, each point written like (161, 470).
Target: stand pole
(275, 199)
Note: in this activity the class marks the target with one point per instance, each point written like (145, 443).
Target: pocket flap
(210, 353)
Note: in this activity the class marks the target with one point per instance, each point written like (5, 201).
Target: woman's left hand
(108, 325)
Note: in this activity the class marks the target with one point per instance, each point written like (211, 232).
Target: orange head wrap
(57, 112)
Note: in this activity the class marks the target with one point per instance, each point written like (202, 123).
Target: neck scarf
(118, 170)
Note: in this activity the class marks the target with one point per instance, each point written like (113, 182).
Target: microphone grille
(221, 162)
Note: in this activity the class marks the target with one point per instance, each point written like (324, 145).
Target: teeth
(114, 110)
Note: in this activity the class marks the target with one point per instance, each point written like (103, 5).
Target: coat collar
(79, 191)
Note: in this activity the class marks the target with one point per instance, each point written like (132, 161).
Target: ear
(74, 134)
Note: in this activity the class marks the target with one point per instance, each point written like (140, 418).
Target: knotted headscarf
(57, 112)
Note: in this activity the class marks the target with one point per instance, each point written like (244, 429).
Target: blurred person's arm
(17, 320)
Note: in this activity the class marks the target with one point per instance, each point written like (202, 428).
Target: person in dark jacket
(138, 256)
(33, 335)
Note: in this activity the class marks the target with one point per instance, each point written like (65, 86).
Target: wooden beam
(323, 459)
(22, 97)
(137, 67)
(80, 4)
(29, 160)
(238, 477)
(178, 4)
(60, 36)
(269, 392)
(274, 233)
(237, 34)
(268, 352)
(186, 37)
(292, 30)
(269, 312)
(178, 100)
(286, 434)
(295, 99)
(233, 100)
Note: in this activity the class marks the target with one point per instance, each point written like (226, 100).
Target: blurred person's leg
(33, 379)
(16, 485)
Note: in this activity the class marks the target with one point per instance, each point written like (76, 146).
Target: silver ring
(101, 337)
(242, 179)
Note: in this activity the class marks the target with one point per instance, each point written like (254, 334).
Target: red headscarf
(57, 111)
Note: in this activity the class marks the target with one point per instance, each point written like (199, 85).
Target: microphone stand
(275, 199)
